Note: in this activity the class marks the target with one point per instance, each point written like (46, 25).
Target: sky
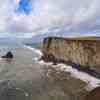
(26, 18)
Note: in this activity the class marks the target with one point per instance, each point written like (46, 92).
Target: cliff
(84, 52)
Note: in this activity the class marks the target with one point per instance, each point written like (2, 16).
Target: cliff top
(78, 38)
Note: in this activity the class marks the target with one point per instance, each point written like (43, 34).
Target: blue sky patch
(24, 7)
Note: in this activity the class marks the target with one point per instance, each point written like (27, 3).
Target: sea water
(26, 78)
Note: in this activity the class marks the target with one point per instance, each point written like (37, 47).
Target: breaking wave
(37, 51)
(91, 81)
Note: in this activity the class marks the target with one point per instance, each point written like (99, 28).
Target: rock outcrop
(8, 55)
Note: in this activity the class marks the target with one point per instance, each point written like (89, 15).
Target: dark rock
(8, 55)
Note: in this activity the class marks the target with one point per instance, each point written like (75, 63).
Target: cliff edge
(82, 52)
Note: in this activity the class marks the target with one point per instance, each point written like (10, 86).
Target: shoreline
(34, 49)
(92, 82)
(58, 79)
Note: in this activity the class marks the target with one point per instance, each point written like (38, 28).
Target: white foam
(35, 59)
(0, 59)
(34, 49)
(42, 63)
(91, 81)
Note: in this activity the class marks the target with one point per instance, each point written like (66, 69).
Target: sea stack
(8, 55)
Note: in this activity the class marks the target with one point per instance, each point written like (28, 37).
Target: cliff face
(84, 52)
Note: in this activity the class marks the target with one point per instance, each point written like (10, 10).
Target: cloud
(6, 11)
(50, 16)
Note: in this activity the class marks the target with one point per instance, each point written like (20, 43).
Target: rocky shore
(74, 51)
(81, 53)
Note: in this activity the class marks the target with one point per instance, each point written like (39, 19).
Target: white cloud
(69, 16)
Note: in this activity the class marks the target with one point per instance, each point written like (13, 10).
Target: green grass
(88, 38)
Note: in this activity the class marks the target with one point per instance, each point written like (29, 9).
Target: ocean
(26, 78)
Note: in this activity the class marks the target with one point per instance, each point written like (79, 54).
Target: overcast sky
(32, 17)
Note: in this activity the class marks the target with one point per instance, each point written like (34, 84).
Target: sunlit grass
(88, 38)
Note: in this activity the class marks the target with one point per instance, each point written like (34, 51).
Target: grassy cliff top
(78, 38)
(88, 38)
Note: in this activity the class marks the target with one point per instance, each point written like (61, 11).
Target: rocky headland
(81, 53)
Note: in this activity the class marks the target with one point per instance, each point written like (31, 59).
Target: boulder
(8, 55)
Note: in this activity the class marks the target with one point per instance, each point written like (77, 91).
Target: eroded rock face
(84, 52)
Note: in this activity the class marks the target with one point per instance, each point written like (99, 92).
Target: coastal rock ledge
(81, 53)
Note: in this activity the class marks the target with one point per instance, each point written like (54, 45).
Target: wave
(37, 51)
(91, 81)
